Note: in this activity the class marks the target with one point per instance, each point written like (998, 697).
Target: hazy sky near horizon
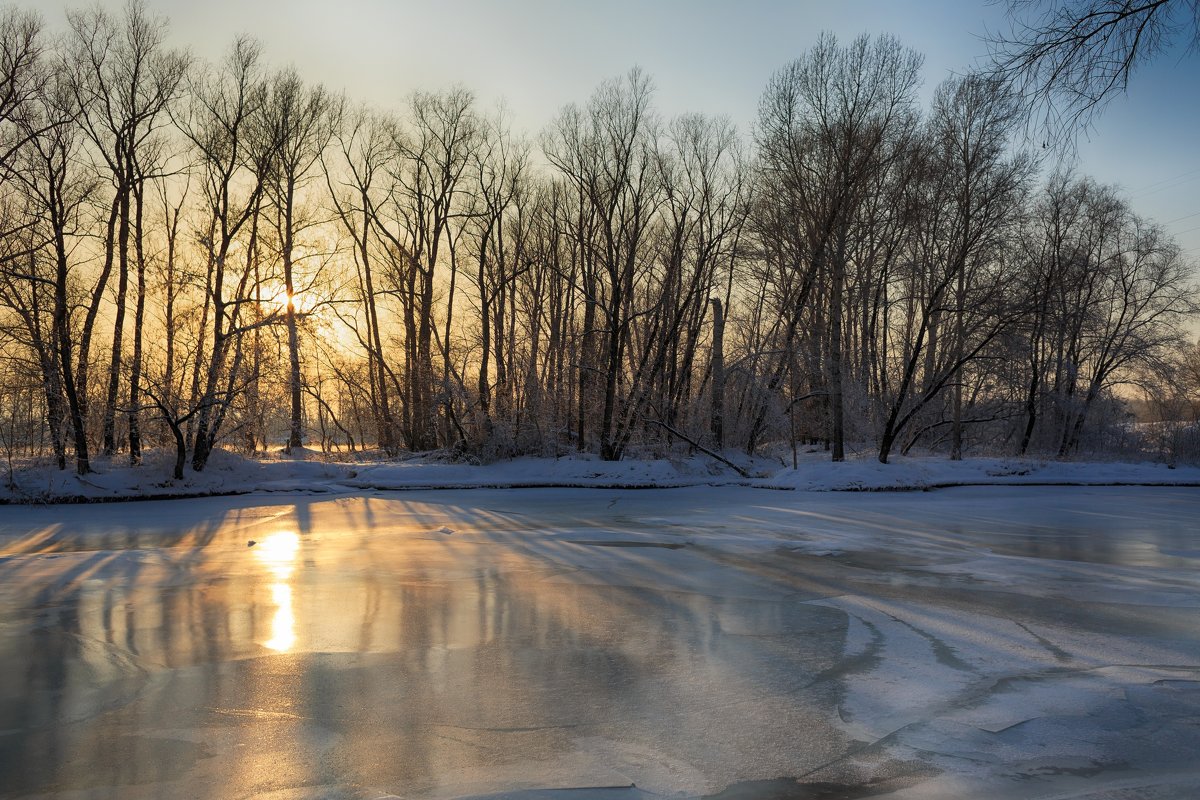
(703, 55)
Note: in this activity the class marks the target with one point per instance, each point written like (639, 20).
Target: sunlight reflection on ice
(283, 626)
(278, 554)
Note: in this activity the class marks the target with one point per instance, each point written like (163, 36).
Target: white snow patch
(303, 471)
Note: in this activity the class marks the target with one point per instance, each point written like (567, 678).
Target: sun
(277, 302)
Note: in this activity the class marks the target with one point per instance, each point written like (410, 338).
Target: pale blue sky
(707, 56)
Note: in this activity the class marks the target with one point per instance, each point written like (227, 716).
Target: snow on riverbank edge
(230, 474)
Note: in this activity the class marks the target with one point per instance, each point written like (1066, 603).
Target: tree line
(195, 254)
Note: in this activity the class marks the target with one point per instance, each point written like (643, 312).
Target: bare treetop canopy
(1068, 58)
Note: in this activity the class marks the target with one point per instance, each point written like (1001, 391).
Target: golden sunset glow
(277, 303)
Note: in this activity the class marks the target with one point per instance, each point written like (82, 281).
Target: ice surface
(998, 642)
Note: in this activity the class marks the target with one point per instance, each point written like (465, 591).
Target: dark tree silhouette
(1068, 58)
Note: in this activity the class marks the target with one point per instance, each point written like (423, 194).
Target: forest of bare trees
(200, 255)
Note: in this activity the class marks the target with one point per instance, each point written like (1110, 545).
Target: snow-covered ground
(228, 473)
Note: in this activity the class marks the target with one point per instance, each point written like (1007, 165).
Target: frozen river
(587, 644)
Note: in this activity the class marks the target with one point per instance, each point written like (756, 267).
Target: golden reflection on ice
(278, 553)
(283, 626)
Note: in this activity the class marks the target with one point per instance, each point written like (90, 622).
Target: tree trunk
(956, 430)
(89, 320)
(837, 405)
(114, 368)
(384, 418)
(717, 417)
(139, 313)
(485, 340)
(609, 449)
(295, 429)
(62, 332)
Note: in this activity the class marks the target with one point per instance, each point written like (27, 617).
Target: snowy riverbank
(228, 473)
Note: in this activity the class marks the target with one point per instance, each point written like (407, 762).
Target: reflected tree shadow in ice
(79, 598)
(430, 647)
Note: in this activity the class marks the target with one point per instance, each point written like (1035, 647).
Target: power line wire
(1185, 216)
(1148, 187)
(1178, 180)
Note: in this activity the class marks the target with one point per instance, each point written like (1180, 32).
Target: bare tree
(701, 222)
(829, 121)
(608, 152)
(233, 165)
(300, 123)
(26, 284)
(1141, 296)
(972, 122)
(950, 293)
(123, 78)
(1068, 58)
(1106, 294)
(500, 170)
(21, 70)
(417, 223)
(354, 177)
(58, 191)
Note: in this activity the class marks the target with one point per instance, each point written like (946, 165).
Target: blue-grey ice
(998, 642)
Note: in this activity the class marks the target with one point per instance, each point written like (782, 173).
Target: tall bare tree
(608, 151)
(973, 121)
(829, 121)
(124, 78)
(500, 170)
(58, 190)
(416, 224)
(233, 159)
(300, 122)
(354, 176)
